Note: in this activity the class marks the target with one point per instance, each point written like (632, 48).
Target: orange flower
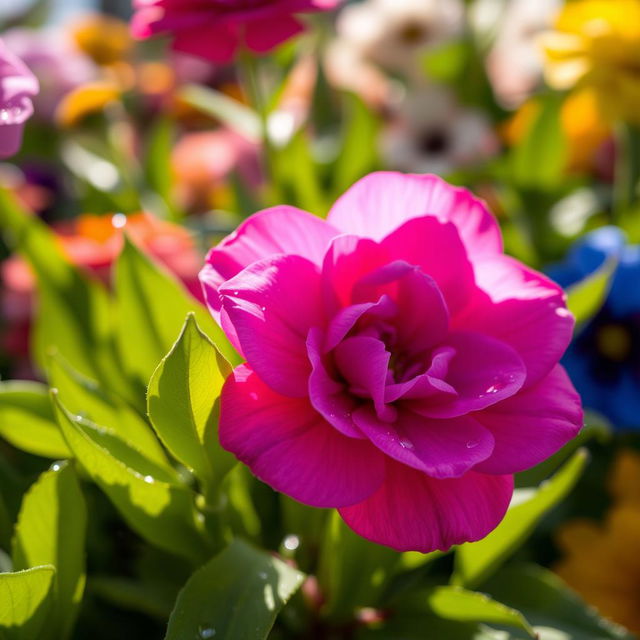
(103, 38)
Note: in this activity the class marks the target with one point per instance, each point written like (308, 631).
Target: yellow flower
(596, 44)
(103, 38)
(602, 561)
(86, 100)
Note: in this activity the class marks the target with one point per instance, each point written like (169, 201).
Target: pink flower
(399, 366)
(17, 86)
(217, 29)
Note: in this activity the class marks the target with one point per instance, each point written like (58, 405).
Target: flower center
(614, 342)
(433, 142)
(412, 33)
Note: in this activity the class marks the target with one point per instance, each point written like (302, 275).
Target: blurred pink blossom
(218, 29)
(17, 86)
(399, 366)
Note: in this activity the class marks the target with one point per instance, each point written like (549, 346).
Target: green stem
(627, 173)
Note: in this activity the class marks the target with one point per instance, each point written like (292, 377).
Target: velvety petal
(347, 260)
(328, 396)
(522, 308)
(437, 248)
(483, 371)
(279, 230)
(532, 425)
(272, 305)
(288, 445)
(270, 31)
(440, 448)
(413, 512)
(364, 363)
(381, 202)
(215, 42)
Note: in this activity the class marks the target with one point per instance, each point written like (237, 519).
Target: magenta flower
(217, 29)
(17, 86)
(399, 366)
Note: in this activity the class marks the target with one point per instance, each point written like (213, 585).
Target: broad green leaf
(27, 420)
(183, 403)
(159, 509)
(358, 155)
(548, 604)
(476, 560)
(353, 571)
(51, 529)
(234, 114)
(87, 398)
(73, 312)
(539, 159)
(152, 306)
(237, 594)
(25, 601)
(585, 298)
(454, 603)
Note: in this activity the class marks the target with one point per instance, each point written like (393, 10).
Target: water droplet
(149, 479)
(55, 466)
(262, 575)
(235, 293)
(206, 632)
(291, 542)
(406, 444)
(472, 444)
(264, 308)
(119, 220)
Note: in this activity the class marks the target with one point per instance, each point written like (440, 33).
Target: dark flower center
(434, 142)
(412, 33)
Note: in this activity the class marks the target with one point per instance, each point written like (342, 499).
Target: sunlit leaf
(585, 298)
(51, 530)
(25, 601)
(238, 594)
(27, 420)
(149, 499)
(183, 403)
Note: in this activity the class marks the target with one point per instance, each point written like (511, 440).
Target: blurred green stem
(627, 172)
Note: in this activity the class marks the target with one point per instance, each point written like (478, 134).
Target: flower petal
(413, 512)
(440, 448)
(279, 230)
(328, 396)
(532, 425)
(272, 305)
(269, 31)
(483, 371)
(290, 447)
(379, 203)
(522, 308)
(436, 247)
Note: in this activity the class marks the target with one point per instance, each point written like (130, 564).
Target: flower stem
(627, 172)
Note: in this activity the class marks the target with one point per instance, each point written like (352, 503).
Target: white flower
(393, 33)
(432, 133)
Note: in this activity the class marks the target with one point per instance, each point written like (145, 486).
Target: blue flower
(603, 360)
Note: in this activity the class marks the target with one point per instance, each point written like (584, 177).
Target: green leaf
(539, 159)
(183, 403)
(548, 604)
(85, 397)
(73, 312)
(454, 603)
(585, 298)
(51, 529)
(234, 114)
(358, 154)
(25, 601)
(237, 594)
(152, 307)
(150, 501)
(27, 420)
(476, 560)
(353, 571)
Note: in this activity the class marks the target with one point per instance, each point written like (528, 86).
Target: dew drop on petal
(406, 444)
(119, 220)
(472, 444)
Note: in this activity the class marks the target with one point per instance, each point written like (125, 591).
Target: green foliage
(27, 420)
(25, 601)
(51, 531)
(183, 404)
(475, 561)
(237, 594)
(151, 308)
(151, 500)
(585, 298)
